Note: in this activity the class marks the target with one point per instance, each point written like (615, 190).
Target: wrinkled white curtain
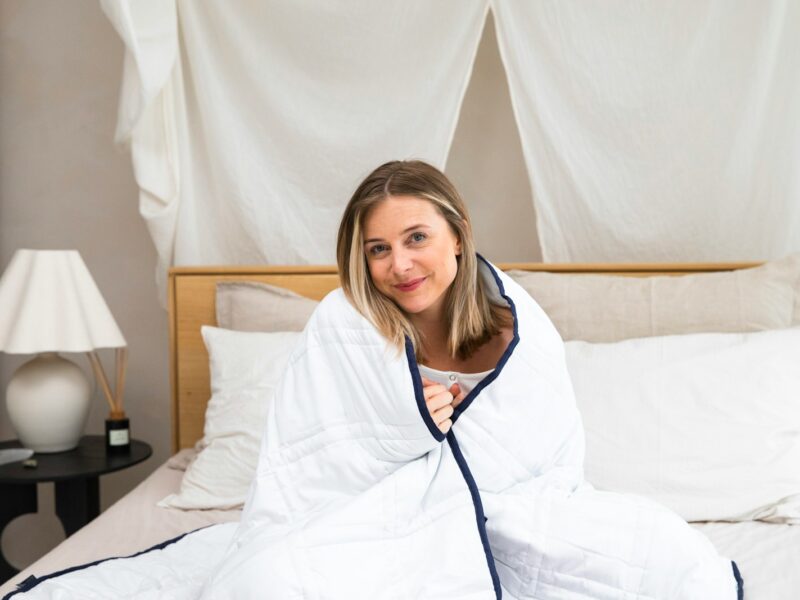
(251, 123)
(658, 131)
(652, 131)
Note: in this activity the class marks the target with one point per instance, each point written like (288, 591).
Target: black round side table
(76, 475)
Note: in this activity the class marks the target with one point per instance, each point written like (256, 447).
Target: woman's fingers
(458, 395)
(440, 402)
(433, 393)
(442, 414)
(437, 401)
(433, 389)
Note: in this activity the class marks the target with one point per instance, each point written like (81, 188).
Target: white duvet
(359, 495)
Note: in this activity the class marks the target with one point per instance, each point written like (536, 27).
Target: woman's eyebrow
(406, 230)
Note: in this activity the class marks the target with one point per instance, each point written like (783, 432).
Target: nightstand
(76, 476)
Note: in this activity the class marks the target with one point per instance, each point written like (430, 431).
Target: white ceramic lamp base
(48, 401)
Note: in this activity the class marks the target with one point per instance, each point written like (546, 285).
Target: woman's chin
(411, 307)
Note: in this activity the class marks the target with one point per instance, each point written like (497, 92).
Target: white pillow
(707, 424)
(245, 368)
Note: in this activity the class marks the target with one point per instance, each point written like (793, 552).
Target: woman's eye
(377, 249)
(418, 237)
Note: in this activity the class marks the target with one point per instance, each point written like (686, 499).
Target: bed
(767, 549)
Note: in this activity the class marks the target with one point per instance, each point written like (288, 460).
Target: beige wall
(486, 164)
(64, 185)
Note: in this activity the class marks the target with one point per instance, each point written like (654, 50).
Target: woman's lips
(411, 285)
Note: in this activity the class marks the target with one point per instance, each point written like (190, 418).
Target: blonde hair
(471, 318)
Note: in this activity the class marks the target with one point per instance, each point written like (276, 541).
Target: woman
(424, 441)
(407, 262)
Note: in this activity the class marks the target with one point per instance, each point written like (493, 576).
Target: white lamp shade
(50, 303)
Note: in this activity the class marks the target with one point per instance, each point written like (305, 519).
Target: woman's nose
(401, 261)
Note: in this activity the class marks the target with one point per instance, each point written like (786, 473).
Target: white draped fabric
(651, 131)
(251, 123)
(658, 131)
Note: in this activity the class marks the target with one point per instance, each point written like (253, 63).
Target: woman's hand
(458, 395)
(441, 402)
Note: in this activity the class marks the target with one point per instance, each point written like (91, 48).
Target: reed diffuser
(118, 436)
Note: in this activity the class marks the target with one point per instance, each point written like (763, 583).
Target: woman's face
(411, 252)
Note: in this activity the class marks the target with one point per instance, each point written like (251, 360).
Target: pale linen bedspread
(131, 525)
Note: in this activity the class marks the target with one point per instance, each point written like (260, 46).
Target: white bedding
(129, 526)
(767, 554)
(353, 474)
(353, 471)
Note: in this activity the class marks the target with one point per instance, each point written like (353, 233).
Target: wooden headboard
(192, 292)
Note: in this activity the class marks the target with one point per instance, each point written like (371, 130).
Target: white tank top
(466, 381)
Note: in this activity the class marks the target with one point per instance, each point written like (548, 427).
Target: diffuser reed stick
(100, 375)
(122, 363)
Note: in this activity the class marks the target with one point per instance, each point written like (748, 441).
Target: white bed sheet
(768, 555)
(132, 524)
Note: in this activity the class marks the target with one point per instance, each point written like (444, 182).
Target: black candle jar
(118, 436)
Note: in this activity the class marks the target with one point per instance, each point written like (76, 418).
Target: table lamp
(49, 303)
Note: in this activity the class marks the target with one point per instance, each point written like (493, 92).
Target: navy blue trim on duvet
(480, 518)
(32, 581)
(416, 379)
(460, 461)
(503, 359)
(739, 581)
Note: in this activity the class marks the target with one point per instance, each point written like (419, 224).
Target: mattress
(767, 554)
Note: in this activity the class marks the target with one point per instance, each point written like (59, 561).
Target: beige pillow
(608, 308)
(252, 306)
